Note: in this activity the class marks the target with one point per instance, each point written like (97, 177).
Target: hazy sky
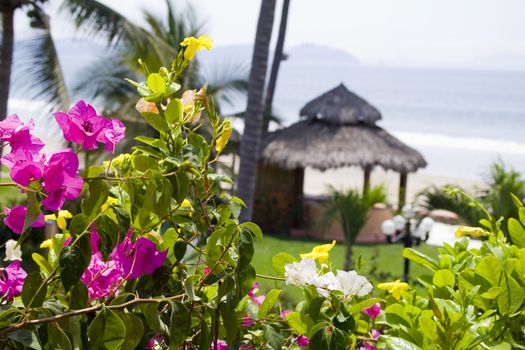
(422, 32)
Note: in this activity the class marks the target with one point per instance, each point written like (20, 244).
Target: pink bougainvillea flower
(15, 219)
(375, 334)
(366, 346)
(8, 126)
(60, 179)
(373, 311)
(113, 133)
(25, 166)
(247, 321)
(82, 125)
(303, 341)
(155, 342)
(23, 140)
(221, 345)
(11, 280)
(206, 270)
(102, 278)
(136, 259)
(258, 300)
(284, 313)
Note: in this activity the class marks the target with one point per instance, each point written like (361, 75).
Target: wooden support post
(366, 184)
(403, 177)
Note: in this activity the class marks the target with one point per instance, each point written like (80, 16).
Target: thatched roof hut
(337, 130)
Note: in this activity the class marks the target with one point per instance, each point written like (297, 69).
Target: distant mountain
(303, 53)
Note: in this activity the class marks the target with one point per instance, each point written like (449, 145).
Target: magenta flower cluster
(11, 280)
(57, 172)
(129, 260)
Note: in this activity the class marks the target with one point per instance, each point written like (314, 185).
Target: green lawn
(382, 262)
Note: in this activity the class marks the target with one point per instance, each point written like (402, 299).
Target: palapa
(338, 129)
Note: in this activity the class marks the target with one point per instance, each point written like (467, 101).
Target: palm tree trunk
(6, 57)
(348, 256)
(254, 110)
(277, 58)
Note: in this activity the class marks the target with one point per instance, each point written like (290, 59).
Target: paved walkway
(442, 233)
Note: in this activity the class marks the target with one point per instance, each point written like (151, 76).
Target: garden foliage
(156, 257)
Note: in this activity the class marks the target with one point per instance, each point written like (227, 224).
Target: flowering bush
(156, 257)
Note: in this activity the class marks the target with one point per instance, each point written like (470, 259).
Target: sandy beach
(317, 182)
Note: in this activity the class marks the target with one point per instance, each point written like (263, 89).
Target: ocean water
(460, 120)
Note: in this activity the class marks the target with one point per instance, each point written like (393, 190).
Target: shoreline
(316, 182)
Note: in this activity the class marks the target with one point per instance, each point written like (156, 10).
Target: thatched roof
(322, 145)
(341, 107)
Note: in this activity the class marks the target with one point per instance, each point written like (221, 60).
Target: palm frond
(226, 82)
(103, 80)
(42, 68)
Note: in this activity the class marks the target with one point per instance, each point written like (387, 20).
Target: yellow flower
(223, 138)
(320, 252)
(60, 219)
(395, 288)
(193, 45)
(109, 202)
(186, 206)
(470, 231)
(48, 243)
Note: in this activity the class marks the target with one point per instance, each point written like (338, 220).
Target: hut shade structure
(339, 129)
(340, 106)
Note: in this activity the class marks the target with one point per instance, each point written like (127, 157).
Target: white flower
(350, 284)
(12, 253)
(300, 273)
(325, 283)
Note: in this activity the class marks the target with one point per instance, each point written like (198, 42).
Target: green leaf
(179, 324)
(420, 258)
(78, 296)
(57, 336)
(517, 232)
(489, 267)
(269, 301)
(444, 278)
(26, 338)
(156, 121)
(152, 142)
(72, 266)
(151, 314)
(280, 260)
(143, 163)
(173, 111)
(273, 335)
(95, 171)
(106, 331)
(398, 343)
(78, 224)
(511, 297)
(34, 290)
(337, 340)
(492, 293)
(181, 186)
(44, 265)
(156, 83)
(179, 249)
(98, 195)
(253, 228)
(300, 323)
(230, 322)
(189, 287)
(33, 210)
(134, 330)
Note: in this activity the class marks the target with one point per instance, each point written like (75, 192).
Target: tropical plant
(42, 66)
(102, 80)
(501, 184)
(278, 57)
(474, 298)
(351, 208)
(253, 123)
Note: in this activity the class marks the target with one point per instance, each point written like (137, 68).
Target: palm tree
(351, 209)
(42, 67)
(103, 80)
(254, 109)
(274, 71)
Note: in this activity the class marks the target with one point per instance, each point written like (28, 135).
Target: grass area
(380, 262)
